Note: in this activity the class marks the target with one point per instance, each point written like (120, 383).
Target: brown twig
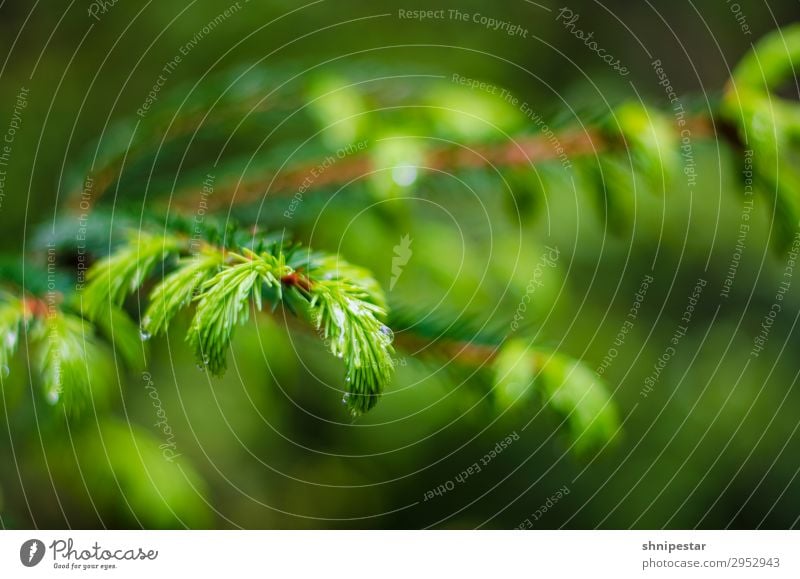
(519, 152)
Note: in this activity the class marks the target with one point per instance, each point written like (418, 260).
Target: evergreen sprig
(350, 323)
(224, 303)
(12, 317)
(72, 355)
(177, 289)
(72, 367)
(343, 302)
(229, 275)
(769, 126)
(113, 279)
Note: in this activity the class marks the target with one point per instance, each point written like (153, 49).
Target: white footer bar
(400, 554)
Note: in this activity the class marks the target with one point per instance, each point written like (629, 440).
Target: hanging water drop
(404, 175)
(144, 334)
(53, 396)
(10, 340)
(346, 397)
(5, 370)
(388, 334)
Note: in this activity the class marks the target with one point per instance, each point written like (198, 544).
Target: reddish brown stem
(519, 152)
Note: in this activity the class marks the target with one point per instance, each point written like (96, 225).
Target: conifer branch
(113, 279)
(61, 359)
(178, 288)
(12, 317)
(342, 301)
(71, 361)
(523, 374)
(71, 355)
(768, 126)
(224, 300)
(522, 151)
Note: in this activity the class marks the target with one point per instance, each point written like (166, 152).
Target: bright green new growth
(350, 324)
(71, 363)
(348, 308)
(769, 125)
(12, 315)
(575, 391)
(514, 372)
(651, 140)
(323, 266)
(177, 290)
(342, 301)
(72, 367)
(223, 304)
(113, 279)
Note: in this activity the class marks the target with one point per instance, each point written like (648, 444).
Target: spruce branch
(523, 151)
(350, 323)
(768, 125)
(12, 317)
(223, 303)
(71, 361)
(451, 113)
(177, 290)
(520, 373)
(341, 301)
(113, 279)
(71, 365)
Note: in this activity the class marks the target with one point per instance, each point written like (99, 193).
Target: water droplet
(346, 398)
(53, 396)
(6, 371)
(10, 340)
(404, 175)
(201, 367)
(387, 333)
(144, 334)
